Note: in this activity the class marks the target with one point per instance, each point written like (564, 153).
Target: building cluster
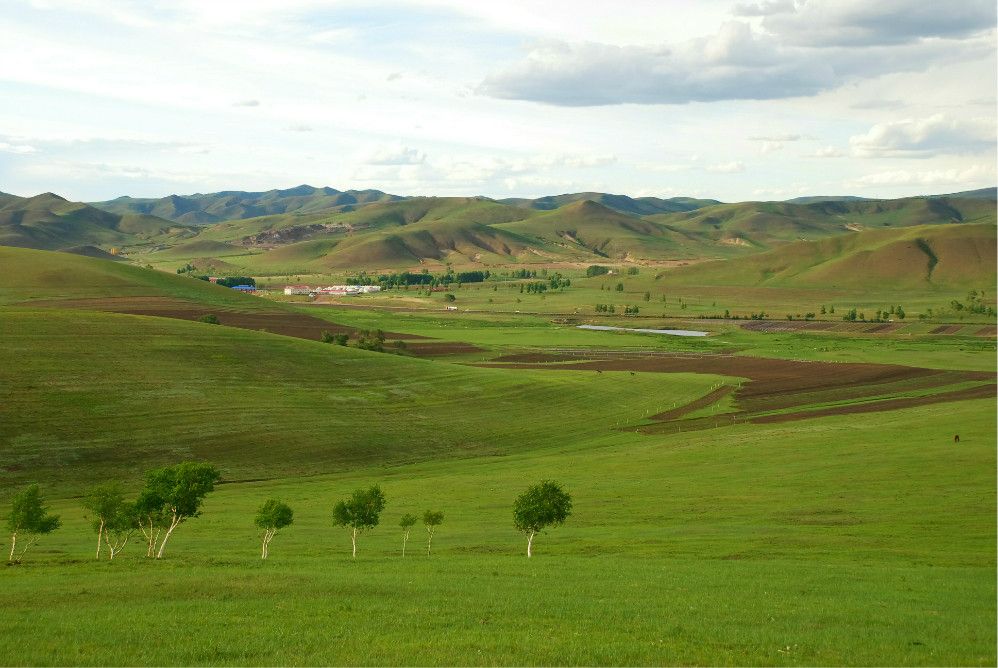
(330, 290)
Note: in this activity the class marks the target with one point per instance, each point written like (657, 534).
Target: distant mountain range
(309, 230)
(204, 209)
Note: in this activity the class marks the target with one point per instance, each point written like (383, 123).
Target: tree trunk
(13, 544)
(268, 536)
(100, 536)
(429, 541)
(151, 536)
(353, 539)
(173, 525)
(405, 537)
(530, 544)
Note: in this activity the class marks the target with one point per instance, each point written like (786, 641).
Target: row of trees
(852, 315)
(174, 494)
(610, 308)
(405, 278)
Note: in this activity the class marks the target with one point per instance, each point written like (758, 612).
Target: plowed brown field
(298, 325)
(778, 385)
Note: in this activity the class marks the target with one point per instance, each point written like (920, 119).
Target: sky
(737, 101)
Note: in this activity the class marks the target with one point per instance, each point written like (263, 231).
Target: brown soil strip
(882, 329)
(775, 383)
(702, 402)
(946, 329)
(979, 392)
(788, 326)
(986, 331)
(298, 325)
(435, 349)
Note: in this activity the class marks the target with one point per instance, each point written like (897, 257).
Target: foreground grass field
(839, 541)
(853, 539)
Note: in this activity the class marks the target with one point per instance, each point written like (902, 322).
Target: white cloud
(778, 137)
(764, 8)
(22, 149)
(827, 152)
(246, 103)
(736, 63)
(964, 179)
(770, 147)
(299, 127)
(865, 23)
(397, 154)
(925, 137)
(726, 167)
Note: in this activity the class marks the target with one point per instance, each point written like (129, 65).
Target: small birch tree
(431, 520)
(113, 518)
(182, 489)
(28, 516)
(407, 522)
(541, 506)
(151, 518)
(120, 527)
(360, 512)
(273, 516)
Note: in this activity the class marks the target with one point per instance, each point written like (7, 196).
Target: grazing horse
(956, 438)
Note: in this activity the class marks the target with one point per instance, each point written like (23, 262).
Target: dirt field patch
(986, 331)
(298, 325)
(946, 329)
(776, 384)
(442, 348)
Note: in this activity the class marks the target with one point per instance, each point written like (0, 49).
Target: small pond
(670, 332)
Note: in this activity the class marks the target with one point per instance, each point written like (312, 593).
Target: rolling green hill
(201, 209)
(595, 230)
(30, 274)
(942, 256)
(308, 229)
(763, 225)
(50, 222)
(637, 206)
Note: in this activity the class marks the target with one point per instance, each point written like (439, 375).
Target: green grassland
(192, 390)
(835, 541)
(30, 275)
(857, 539)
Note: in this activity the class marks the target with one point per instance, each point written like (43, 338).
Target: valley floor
(751, 498)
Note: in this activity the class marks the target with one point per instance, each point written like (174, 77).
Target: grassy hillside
(951, 256)
(764, 225)
(590, 228)
(200, 209)
(393, 234)
(229, 395)
(32, 274)
(316, 230)
(638, 206)
(50, 222)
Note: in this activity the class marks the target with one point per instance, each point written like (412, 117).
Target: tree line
(173, 495)
(394, 280)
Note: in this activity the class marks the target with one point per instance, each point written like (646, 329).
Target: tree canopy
(362, 511)
(272, 516)
(543, 505)
(180, 490)
(29, 515)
